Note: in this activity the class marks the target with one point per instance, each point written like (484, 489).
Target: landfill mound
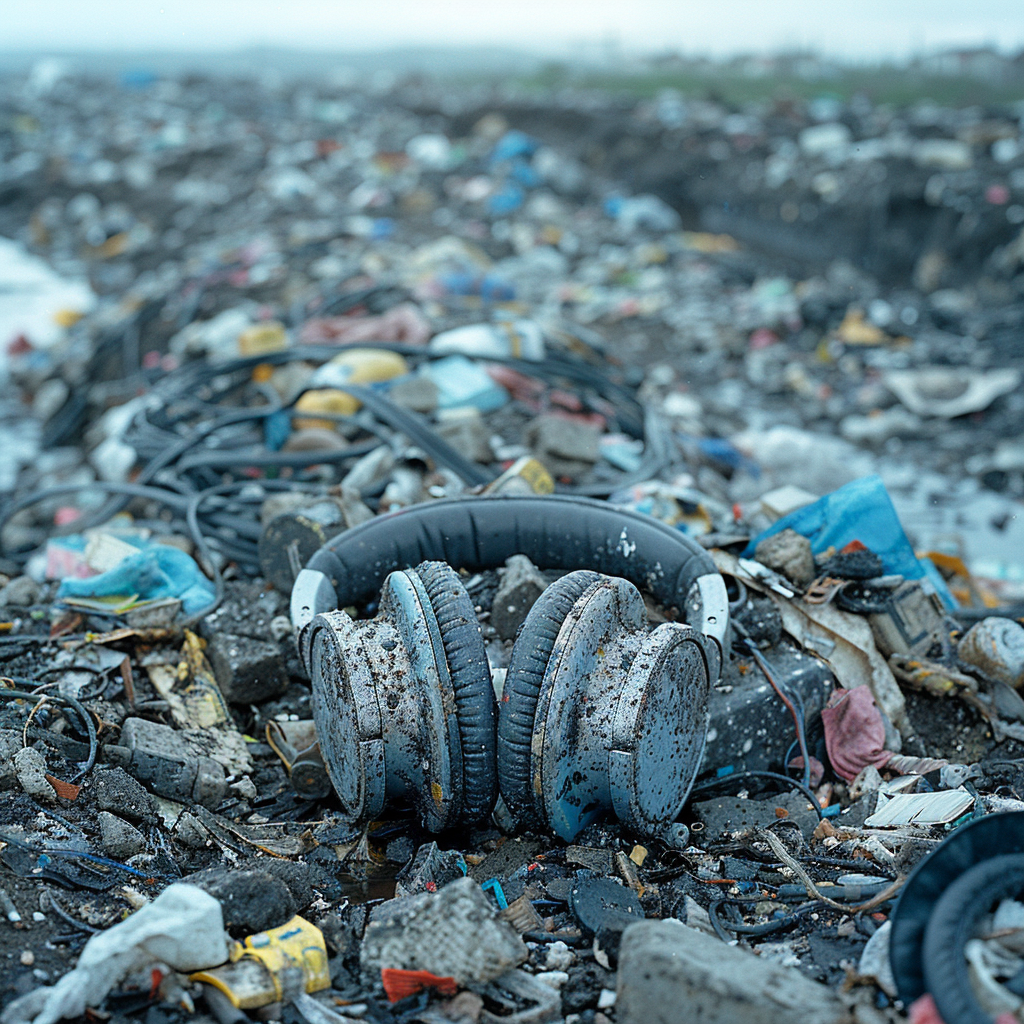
(469, 557)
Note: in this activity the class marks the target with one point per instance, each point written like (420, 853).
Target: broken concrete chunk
(452, 933)
(30, 769)
(566, 447)
(466, 431)
(521, 584)
(120, 839)
(789, 553)
(163, 759)
(415, 392)
(10, 744)
(669, 972)
(21, 592)
(117, 791)
(248, 671)
(188, 829)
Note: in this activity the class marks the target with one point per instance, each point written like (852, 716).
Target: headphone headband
(477, 533)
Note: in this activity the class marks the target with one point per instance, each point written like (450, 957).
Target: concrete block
(669, 972)
(248, 671)
(452, 933)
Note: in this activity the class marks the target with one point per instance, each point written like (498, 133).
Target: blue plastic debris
(507, 200)
(726, 454)
(462, 382)
(499, 894)
(861, 510)
(156, 572)
(511, 145)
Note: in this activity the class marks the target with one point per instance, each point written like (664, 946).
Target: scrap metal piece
(912, 621)
(295, 743)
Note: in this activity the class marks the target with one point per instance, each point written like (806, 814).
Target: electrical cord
(80, 710)
(753, 930)
(792, 701)
(734, 777)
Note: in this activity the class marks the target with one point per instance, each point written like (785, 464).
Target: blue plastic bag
(861, 510)
(156, 572)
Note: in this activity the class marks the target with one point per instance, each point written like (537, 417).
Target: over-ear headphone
(595, 714)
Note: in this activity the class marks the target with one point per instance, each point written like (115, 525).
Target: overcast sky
(863, 28)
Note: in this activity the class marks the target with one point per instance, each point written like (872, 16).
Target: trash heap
(243, 318)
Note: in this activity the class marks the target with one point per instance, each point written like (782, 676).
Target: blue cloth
(157, 571)
(861, 510)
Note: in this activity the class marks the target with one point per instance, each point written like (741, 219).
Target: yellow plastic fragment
(353, 366)
(261, 339)
(253, 978)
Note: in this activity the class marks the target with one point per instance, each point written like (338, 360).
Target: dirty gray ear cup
(471, 681)
(518, 705)
(602, 714)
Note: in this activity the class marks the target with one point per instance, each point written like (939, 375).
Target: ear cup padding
(554, 532)
(471, 680)
(518, 705)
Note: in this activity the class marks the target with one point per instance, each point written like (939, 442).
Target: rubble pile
(719, 410)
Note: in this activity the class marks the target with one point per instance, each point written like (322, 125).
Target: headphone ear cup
(518, 706)
(471, 680)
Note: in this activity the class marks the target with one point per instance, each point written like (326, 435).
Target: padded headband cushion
(554, 532)
(518, 706)
(471, 680)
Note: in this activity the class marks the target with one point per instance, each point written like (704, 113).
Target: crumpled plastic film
(183, 928)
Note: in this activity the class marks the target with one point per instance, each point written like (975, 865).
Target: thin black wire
(728, 780)
(742, 928)
(90, 726)
(62, 913)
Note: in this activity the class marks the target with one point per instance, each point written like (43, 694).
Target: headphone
(596, 713)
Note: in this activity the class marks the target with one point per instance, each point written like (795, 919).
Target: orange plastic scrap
(399, 984)
(966, 588)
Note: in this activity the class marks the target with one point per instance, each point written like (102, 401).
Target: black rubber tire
(471, 680)
(970, 844)
(952, 923)
(517, 708)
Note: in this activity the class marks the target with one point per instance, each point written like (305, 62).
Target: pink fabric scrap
(854, 732)
(404, 324)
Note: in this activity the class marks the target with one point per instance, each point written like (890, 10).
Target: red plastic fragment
(399, 984)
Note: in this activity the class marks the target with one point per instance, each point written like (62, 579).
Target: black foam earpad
(977, 841)
(516, 711)
(471, 680)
